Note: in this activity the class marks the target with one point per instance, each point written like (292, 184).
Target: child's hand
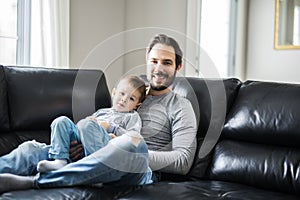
(92, 118)
(112, 135)
(103, 124)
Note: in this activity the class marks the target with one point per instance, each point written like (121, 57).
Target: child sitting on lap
(95, 131)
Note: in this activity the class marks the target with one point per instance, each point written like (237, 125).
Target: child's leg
(93, 137)
(62, 131)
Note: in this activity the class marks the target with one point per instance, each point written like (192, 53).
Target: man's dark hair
(164, 39)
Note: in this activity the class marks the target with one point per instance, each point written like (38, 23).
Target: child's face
(125, 97)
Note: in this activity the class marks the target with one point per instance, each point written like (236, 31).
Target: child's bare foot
(10, 182)
(47, 165)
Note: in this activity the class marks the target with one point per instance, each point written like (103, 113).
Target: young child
(95, 131)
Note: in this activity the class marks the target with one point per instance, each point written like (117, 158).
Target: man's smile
(160, 77)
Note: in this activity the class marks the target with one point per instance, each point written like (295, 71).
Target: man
(169, 130)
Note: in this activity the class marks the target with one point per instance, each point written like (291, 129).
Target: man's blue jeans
(121, 161)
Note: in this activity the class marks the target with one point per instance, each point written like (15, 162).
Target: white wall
(113, 34)
(146, 18)
(92, 23)
(263, 61)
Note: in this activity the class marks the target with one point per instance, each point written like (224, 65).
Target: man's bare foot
(10, 182)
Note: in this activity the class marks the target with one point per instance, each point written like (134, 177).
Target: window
(34, 33)
(217, 33)
(8, 32)
(223, 34)
(296, 34)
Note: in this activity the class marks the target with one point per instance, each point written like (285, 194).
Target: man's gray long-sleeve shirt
(169, 128)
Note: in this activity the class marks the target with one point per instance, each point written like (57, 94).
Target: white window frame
(23, 31)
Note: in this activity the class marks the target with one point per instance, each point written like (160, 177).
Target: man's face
(161, 66)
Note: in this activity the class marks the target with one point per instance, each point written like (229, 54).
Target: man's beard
(169, 81)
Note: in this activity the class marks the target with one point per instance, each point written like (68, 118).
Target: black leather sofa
(256, 156)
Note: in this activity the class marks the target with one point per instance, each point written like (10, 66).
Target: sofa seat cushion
(204, 189)
(264, 166)
(71, 193)
(55, 193)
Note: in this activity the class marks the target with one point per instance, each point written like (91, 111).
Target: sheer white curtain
(49, 43)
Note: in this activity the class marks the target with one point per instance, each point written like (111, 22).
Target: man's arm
(184, 128)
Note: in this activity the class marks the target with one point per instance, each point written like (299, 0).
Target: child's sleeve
(133, 123)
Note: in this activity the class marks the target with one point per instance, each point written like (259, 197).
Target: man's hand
(75, 151)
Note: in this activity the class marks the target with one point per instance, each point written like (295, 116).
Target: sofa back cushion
(4, 117)
(261, 138)
(211, 100)
(39, 95)
(267, 113)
